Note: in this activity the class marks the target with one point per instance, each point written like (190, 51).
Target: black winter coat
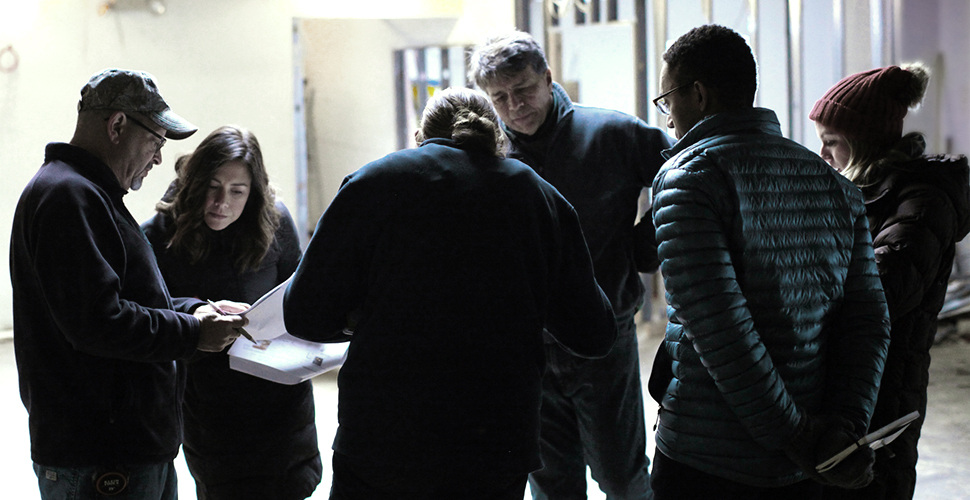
(237, 425)
(601, 160)
(917, 213)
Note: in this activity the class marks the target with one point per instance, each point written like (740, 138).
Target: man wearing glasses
(96, 333)
(600, 160)
(778, 329)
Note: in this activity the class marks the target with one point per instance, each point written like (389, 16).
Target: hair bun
(465, 116)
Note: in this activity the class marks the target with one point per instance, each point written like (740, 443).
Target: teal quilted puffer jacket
(775, 303)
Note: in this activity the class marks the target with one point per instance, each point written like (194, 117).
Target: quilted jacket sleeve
(704, 292)
(859, 343)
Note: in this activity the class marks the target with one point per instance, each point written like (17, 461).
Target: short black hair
(718, 57)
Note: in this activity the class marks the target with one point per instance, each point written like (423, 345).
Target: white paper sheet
(280, 357)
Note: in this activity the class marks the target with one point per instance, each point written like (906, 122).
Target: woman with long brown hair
(221, 233)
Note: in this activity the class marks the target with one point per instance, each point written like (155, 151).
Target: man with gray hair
(600, 160)
(96, 334)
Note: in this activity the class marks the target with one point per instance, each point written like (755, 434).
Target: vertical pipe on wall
(707, 7)
(300, 140)
(640, 55)
(753, 21)
(422, 83)
(886, 15)
(445, 68)
(795, 85)
(660, 44)
(522, 20)
(896, 33)
(838, 27)
(546, 25)
(876, 32)
(400, 87)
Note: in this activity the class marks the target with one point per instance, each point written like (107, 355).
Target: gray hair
(505, 55)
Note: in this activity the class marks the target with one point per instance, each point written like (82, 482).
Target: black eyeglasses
(161, 140)
(661, 103)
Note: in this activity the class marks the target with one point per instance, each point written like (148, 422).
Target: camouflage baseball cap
(134, 91)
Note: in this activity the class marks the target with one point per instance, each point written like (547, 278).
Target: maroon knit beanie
(867, 106)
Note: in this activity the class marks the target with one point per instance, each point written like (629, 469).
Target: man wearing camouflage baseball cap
(136, 92)
(96, 333)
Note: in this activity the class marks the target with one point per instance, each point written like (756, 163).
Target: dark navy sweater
(448, 263)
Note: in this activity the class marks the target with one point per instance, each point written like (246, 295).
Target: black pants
(358, 479)
(672, 480)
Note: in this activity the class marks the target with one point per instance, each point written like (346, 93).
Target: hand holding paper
(875, 440)
(242, 331)
(217, 330)
(229, 307)
(821, 436)
(266, 314)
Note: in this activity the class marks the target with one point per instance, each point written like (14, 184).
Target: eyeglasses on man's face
(661, 100)
(161, 140)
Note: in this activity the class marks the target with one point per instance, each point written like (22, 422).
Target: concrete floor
(944, 447)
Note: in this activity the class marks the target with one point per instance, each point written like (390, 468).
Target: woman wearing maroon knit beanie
(918, 209)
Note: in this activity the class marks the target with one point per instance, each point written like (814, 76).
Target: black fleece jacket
(95, 330)
(600, 160)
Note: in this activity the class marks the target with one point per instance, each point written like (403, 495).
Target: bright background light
(17, 17)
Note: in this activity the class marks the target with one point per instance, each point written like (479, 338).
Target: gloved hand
(818, 439)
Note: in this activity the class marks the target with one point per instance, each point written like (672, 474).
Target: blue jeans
(132, 482)
(592, 414)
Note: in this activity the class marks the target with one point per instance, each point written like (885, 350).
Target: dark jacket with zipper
(600, 160)
(96, 333)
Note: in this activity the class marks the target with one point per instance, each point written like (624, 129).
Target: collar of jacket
(949, 173)
(450, 143)
(753, 120)
(87, 164)
(913, 146)
(439, 140)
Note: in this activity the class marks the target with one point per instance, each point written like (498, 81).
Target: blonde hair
(869, 163)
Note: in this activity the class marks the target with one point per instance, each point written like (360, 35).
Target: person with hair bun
(442, 265)
(918, 208)
(220, 232)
